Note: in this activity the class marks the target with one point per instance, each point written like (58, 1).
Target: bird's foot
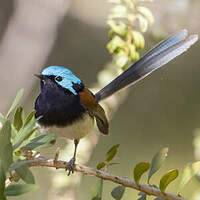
(71, 166)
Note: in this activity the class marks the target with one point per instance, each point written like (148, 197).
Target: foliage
(125, 19)
(139, 170)
(167, 179)
(156, 163)
(109, 157)
(118, 192)
(17, 139)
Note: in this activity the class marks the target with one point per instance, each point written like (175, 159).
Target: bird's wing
(88, 100)
(160, 55)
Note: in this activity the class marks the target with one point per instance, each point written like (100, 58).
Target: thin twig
(56, 155)
(150, 190)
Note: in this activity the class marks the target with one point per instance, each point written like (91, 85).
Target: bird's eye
(58, 78)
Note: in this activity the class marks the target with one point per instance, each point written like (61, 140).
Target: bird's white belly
(76, 130)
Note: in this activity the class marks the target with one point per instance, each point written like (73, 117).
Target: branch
(150, 190)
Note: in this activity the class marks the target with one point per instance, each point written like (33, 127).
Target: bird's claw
(71, 166)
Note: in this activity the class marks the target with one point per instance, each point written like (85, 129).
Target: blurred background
(161, 111)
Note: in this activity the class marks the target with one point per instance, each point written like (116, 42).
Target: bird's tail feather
(160, 55)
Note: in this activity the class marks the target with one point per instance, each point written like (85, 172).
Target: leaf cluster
(128, 20)
(152, 167)
(117, 192)
(17, 139)
(109, 157)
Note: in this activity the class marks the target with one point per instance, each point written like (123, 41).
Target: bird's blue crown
(68, 78)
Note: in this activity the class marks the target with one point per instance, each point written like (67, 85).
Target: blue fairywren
(67, 108)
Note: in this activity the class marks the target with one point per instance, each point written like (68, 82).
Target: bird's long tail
(161, 54)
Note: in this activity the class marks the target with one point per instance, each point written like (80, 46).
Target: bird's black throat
(57, 106)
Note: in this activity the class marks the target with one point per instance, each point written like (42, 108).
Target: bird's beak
(40, 76)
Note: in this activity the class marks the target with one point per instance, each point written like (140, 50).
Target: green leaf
(97, 194)
(115, 44)
(132, 51)
(139, 170)
(18, 120)
(13, 131)
(111, 33)
(30, 117)
(157, 161)
(118, 27)
(23, 134)
(143, 196)
(25, 174)
(39, 142)
(19, 189)
(101, 165)
(118, 192)
(24, 139)
(2, 182)
(188, 172)
(15, 102)
(136, 56)
(138, 39)
(6, 155)
(167, 179)
(111, 153)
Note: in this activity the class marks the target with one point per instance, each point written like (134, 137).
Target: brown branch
(150, 190)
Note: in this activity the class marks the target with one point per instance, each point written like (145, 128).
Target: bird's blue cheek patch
(68, 84)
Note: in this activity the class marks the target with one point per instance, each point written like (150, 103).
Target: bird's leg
(71, 163)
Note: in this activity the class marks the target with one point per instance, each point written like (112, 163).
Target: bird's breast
(75, 130)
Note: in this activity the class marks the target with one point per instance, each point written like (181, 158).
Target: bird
(66, 107)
